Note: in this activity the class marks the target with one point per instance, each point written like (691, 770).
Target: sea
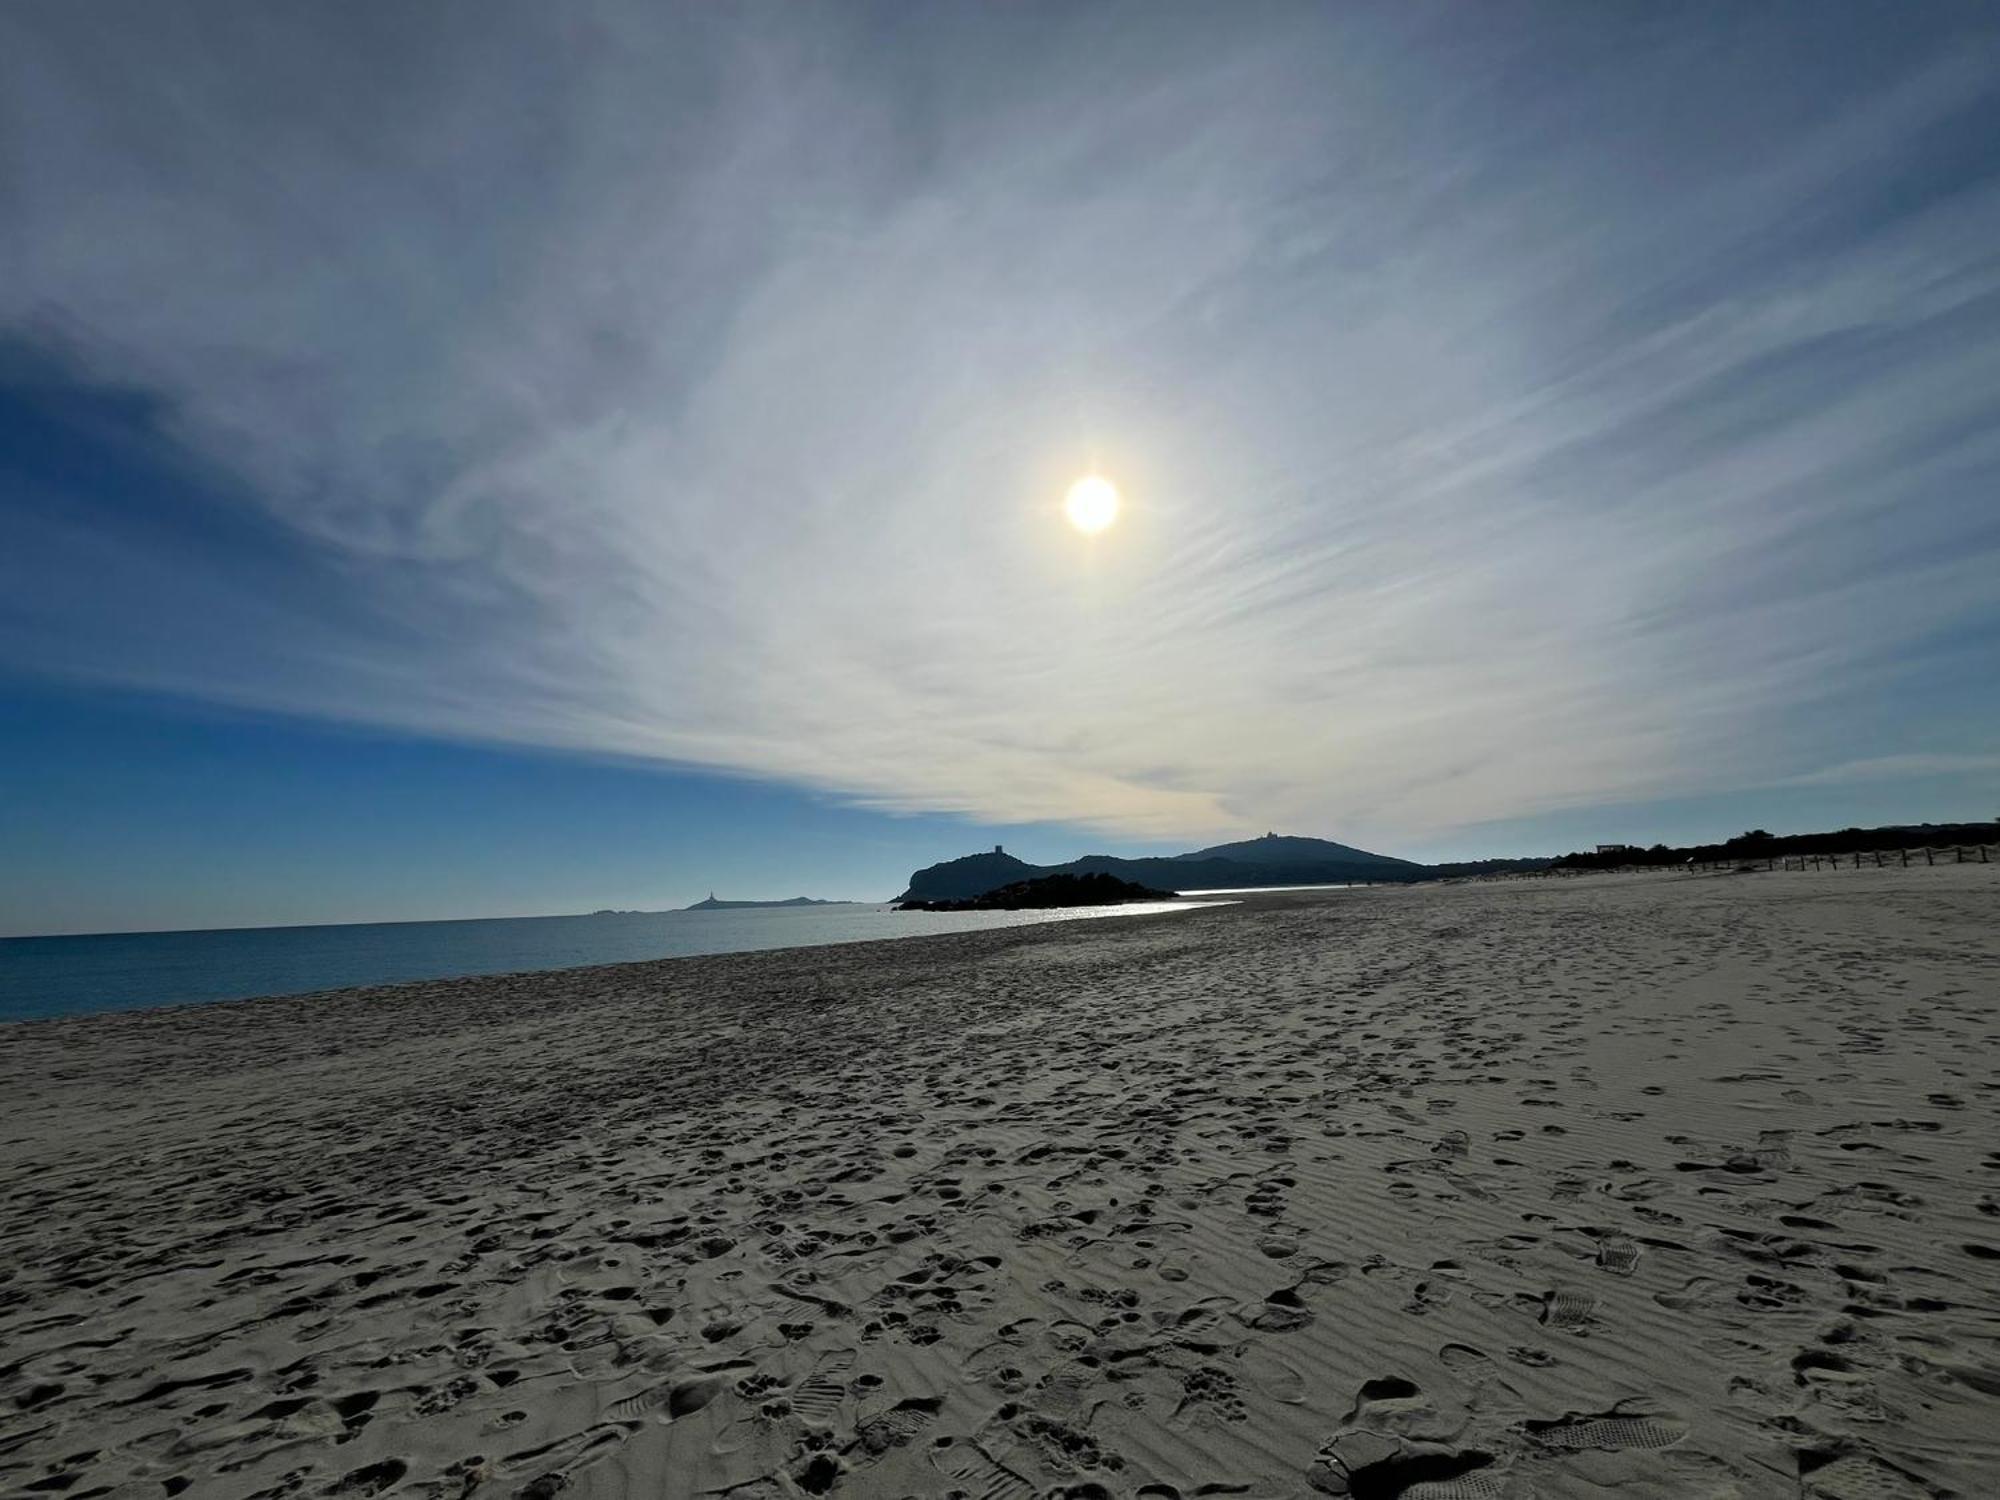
(68, 976)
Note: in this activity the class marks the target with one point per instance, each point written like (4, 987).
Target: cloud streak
(1505, 427)
(1896, 767)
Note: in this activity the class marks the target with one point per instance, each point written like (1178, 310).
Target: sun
(1092, 504)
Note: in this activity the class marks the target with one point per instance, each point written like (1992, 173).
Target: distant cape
(711, 904)
(1274, 859)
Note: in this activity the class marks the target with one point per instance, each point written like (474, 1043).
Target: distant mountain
(1271, 860)
(711, 904)
(1277, 849)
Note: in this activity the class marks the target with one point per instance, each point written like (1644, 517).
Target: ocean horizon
(44, 977)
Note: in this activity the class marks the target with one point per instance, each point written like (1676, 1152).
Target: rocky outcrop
(1047, 891)
(974, 875)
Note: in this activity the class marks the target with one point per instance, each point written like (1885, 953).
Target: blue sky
(510, 458)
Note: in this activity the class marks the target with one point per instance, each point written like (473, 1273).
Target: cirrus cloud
(1508, 422)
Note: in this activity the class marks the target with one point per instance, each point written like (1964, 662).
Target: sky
(485, 459)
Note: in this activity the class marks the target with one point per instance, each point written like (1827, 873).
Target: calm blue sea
(67, 976)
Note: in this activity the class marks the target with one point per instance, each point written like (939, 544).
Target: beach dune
(1661, 1186)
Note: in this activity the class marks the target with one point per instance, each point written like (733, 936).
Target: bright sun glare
(1092, 504)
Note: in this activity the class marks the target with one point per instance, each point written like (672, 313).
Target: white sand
(1667, 1186)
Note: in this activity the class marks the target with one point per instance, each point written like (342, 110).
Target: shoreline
(1604, 1182)
(173, 954)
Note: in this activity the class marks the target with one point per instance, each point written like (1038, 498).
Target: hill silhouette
(1279, 849)
(1274, 859)
(1046, 891)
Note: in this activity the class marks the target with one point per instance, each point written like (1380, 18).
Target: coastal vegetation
(1757, 844)
(1095, 889)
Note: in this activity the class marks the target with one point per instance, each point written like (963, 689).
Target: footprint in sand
(1465, 1361)
(1065, 1390)
(900, 1424)
(1565, 1308)
(819, 1396)
(1198, 1326)
(1856, 1476)
(1478, 1369)
(1283, 1311)
(1618, 1256)
(1210, 1388)
(1386, 1401)
(373, 1479)
(1699, 1292)
(671, 1398)
(1376, 1467)
(1610, 1432)
(1271, 1378)
(975, 1473)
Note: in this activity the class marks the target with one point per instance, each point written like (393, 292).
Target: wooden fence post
(1927, 858)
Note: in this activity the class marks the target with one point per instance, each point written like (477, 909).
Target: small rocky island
(1047, 891)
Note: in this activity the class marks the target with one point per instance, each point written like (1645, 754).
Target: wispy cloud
(1896, 768)
(1509, 422)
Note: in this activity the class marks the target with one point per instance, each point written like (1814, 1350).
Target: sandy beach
(1655, 1186)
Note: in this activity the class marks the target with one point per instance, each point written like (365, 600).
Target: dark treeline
(1757, 845)
(1047, 891)
(1485, 867)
